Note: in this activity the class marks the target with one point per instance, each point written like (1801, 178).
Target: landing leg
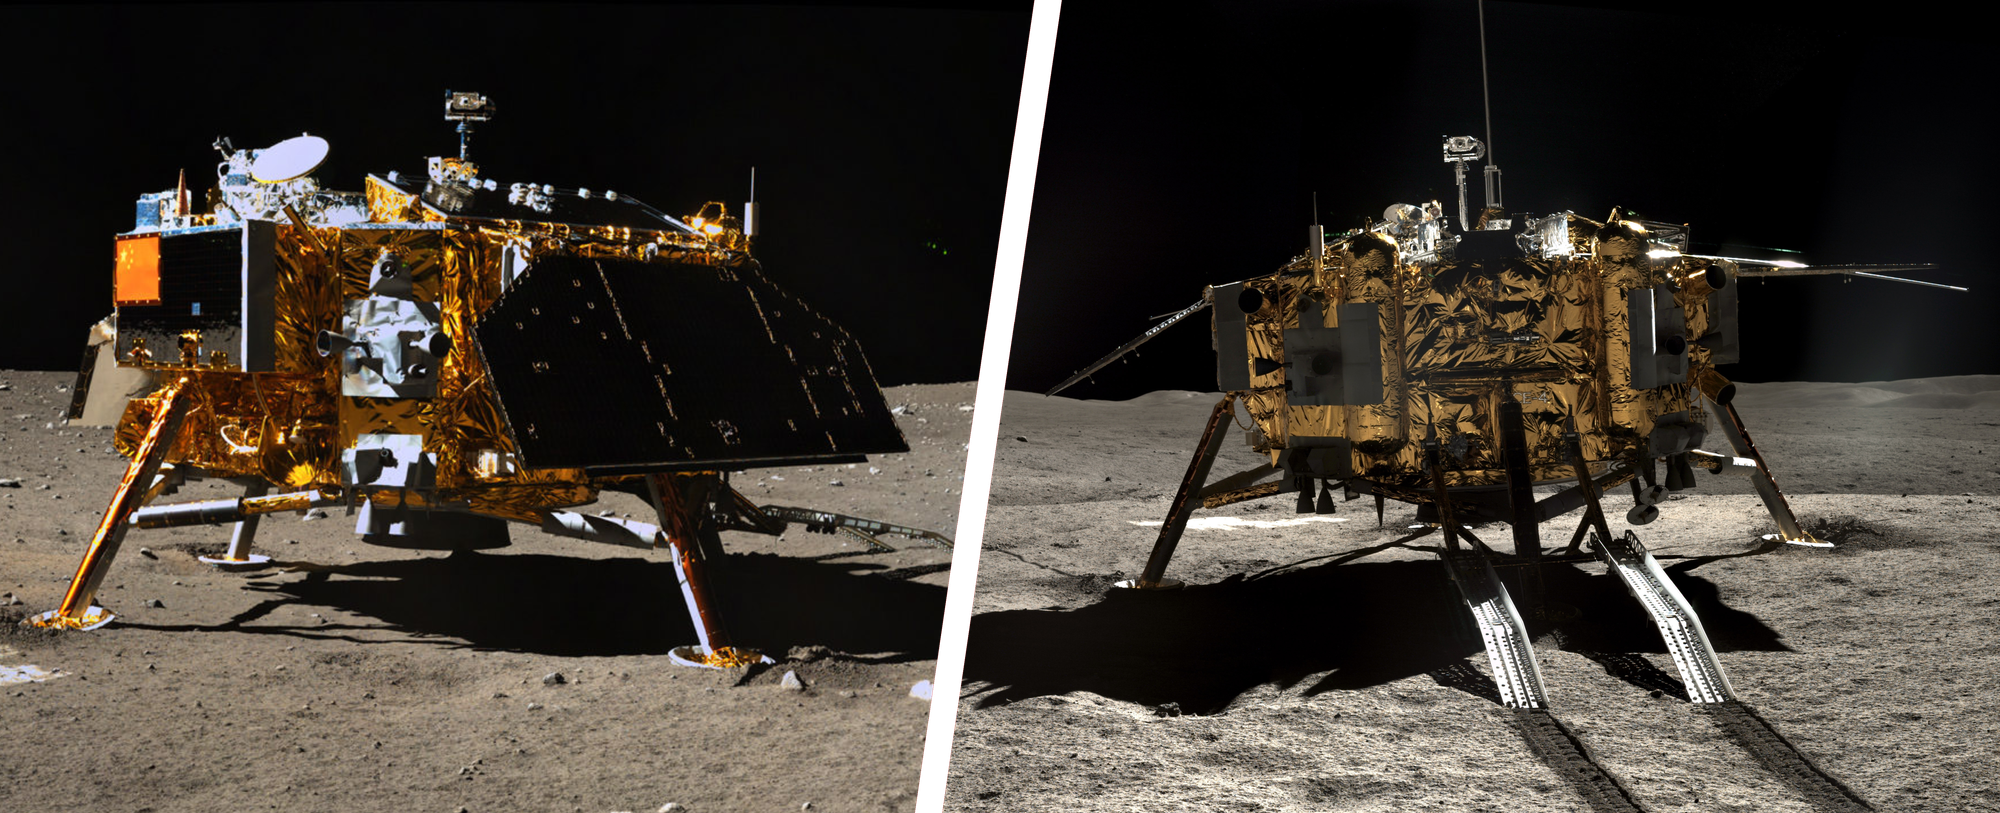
(76, 611)
(1521, 498)
(1767, 486)
(1177, 517)
(678, 498)
(239, 555)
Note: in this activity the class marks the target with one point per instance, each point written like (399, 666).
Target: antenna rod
(1486, 97)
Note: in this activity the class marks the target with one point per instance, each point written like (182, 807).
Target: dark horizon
(1183, 150)
(880, 137)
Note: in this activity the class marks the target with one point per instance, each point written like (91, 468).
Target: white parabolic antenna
(288, 159)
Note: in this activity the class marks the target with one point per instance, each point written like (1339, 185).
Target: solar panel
(624, 366)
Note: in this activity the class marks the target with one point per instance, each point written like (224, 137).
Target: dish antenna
(288, 159)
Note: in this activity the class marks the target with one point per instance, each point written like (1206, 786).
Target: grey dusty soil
(361, 678)
(1317, 662)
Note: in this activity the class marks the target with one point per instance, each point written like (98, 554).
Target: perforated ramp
(1686, 641)
(1507, 646)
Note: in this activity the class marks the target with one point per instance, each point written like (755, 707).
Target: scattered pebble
(554, 679)
(791, 681)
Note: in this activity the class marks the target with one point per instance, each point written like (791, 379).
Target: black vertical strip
(1035, 81)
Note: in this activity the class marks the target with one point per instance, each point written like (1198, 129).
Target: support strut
(1521, 498)
(1767, 486)
(245, 533)
(1184, 500)
(679, 498)
(77, 611)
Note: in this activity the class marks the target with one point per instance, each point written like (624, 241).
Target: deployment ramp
(1679, 626)
(1507, 644)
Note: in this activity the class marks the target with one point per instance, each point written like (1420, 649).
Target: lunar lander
(1459, 368)
(442, 355)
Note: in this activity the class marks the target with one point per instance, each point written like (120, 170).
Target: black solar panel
(624, 366)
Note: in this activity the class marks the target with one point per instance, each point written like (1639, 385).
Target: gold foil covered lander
(1457, 367)
(442, 355)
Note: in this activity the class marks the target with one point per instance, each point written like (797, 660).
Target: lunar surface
(532, 677)
(1323, 662)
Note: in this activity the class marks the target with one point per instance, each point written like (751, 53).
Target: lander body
(441, 355)
(1457, 368)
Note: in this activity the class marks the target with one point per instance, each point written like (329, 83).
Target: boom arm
(1130, 346)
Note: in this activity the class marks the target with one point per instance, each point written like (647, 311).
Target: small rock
(1167, 710)
(499, 695)
(776, 477)
(155, 603)
(554, 679)
(313, 514)
(965, 408)
(806, 806)
(671, 807)
(899, 409)
(791, 681)
(873, 470)
(921, 691)
(534, 707)
(62, 532)
(9, 482)
(148, 553)
(42, 487)
(1021, 438)
(836, 483)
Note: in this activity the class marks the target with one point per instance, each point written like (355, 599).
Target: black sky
(1183, 147)
(880, 136)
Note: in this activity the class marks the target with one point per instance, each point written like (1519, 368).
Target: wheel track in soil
(1559, 747)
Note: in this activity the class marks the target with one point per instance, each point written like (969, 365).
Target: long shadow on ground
(557, 605)
(1363, 624)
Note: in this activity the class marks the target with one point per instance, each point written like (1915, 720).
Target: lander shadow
(572, 607)
(1341, 626)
